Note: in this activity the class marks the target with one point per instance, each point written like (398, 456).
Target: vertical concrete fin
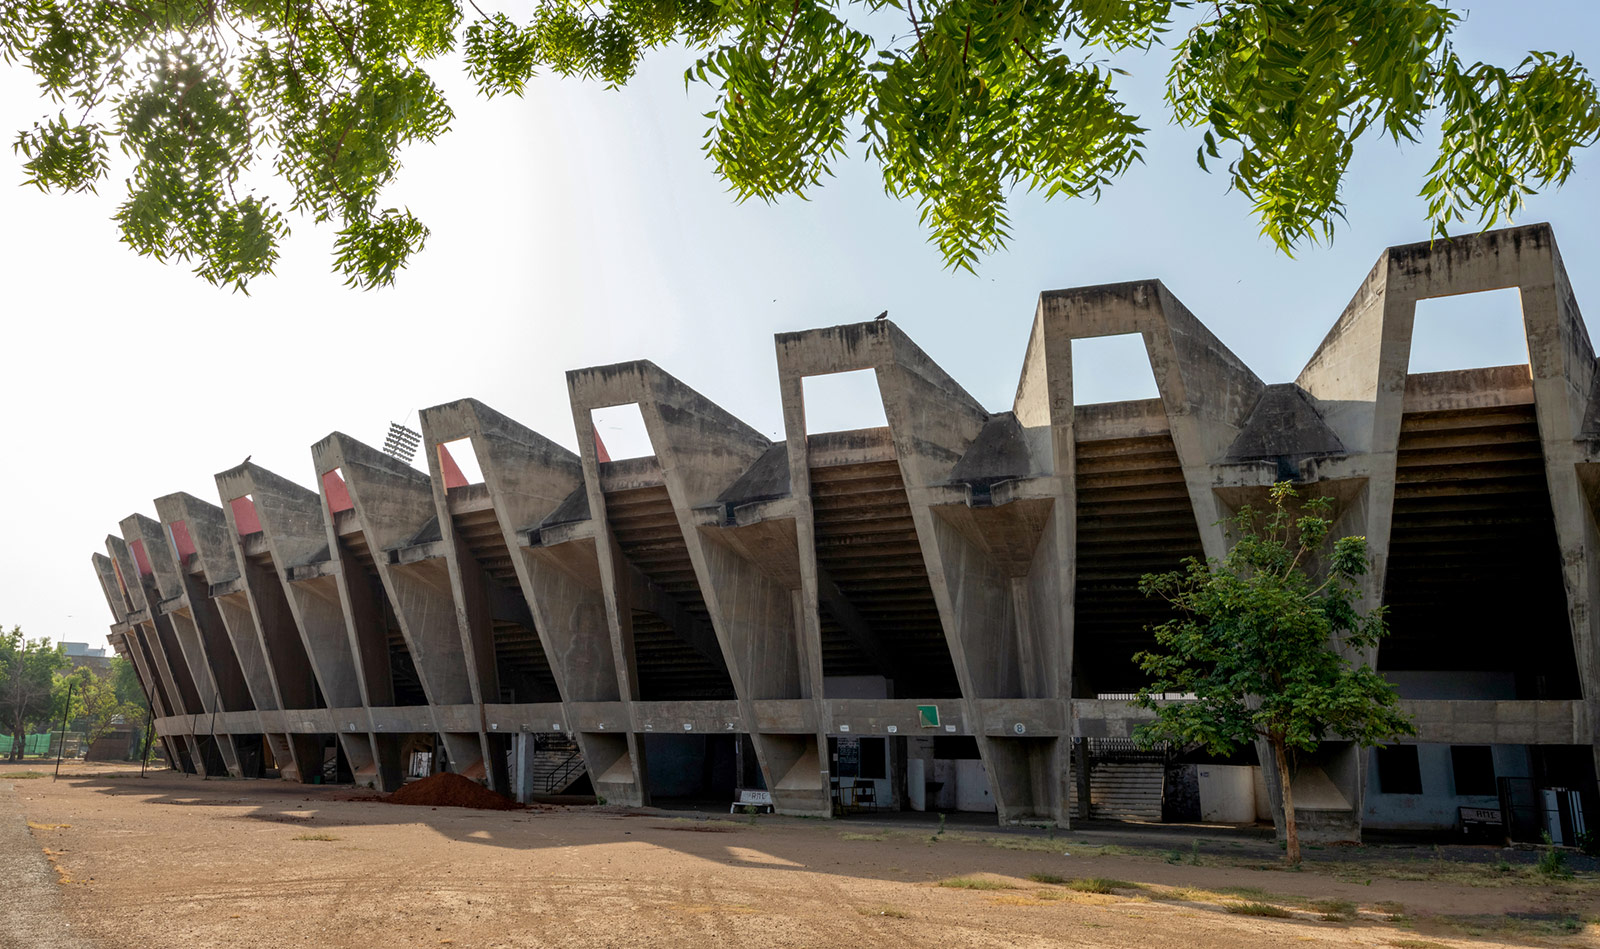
(235, 659)
(295, 532)
(127, 574)
(106, 573)
(392, 503)
(151, 540)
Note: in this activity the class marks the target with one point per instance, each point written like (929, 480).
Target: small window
(874, 755)
(1398, 771)
(1474, 769)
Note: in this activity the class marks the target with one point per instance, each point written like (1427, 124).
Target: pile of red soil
(446, 789)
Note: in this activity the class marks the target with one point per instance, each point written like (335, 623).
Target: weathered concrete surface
(982, 561)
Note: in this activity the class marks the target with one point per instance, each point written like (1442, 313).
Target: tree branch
(777, 55)
(911, 8)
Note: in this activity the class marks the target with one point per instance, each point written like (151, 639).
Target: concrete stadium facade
(960, 579)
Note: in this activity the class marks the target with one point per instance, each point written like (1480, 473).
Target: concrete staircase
(554, 765)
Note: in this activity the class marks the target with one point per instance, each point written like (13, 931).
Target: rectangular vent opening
(1469, 331)
(458, 462)
(843, 402)
(1112, 369)
(620, 433)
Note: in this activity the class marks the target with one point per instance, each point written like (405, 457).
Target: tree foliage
(125, 680)
(27, 675)
(1263, 640)
(97, 707)
(959, 103)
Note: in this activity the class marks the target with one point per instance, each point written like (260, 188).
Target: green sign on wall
(928, 715)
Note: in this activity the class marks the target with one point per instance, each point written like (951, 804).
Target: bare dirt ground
(172, 860)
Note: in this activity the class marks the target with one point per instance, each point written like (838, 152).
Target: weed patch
(1334, 910)
(22, 775)
(1100, 885)
(1258, 909)
(888, 911)
(316, 837)
(1054, 878)
(975, 883)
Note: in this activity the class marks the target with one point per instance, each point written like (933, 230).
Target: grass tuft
(975, 883)
(1417, 944)
(1258, 909)
(888, 911)
(316, 837)
(1334, 910)
(1054, 878)
(1100, 885)
(22, 775)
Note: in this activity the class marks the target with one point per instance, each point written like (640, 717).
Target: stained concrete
(981, 561)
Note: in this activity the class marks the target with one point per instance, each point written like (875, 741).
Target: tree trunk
(1291, 832)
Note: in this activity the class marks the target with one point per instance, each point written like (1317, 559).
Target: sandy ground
(172, 860)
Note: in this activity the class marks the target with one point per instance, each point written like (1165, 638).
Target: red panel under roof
(140, 557)
(244, 515)
(453, 478)
(338, 495)
(181, 540)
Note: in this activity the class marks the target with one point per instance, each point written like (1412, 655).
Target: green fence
(31, 745)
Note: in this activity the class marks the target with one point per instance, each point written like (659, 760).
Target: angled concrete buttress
(216, 593)
(380, 512)
(744, 571)
(527, 606)
(124, 638)
(939, 612)
(213, 670)
(278, 532)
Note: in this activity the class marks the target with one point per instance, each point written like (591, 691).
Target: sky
(580, 226)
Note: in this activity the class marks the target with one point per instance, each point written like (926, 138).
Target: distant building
(96, 659)
(940, 613)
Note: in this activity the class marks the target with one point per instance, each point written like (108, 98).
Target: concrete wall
(1436, 807)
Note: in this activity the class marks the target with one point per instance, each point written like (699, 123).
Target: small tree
(1261, 644)
(27, 673)
(96, 702)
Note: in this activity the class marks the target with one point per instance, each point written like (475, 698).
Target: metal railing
(564, 773)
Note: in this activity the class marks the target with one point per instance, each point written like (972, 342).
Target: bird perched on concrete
(881, 316)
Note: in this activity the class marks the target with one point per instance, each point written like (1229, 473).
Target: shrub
(1553, 864)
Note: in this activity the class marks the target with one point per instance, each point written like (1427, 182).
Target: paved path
(30, 911)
